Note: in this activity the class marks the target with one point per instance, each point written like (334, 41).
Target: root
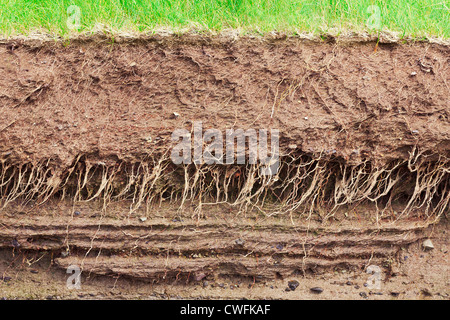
(306, 185)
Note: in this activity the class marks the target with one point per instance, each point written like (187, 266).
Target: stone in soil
(293, 284)
(200, 276)
(428, 245)
(15, 243)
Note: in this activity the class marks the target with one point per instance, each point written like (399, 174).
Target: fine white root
(304, 184)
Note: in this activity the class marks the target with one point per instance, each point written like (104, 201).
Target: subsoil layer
(221, 257)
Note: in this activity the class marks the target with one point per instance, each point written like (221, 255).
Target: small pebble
(427, 245)
(316, 290)
(200, 276)
(293, 284)
(426, 292)
(15, 243)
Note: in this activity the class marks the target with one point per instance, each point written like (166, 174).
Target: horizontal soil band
(221, 245)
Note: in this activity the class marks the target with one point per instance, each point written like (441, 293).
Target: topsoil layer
(353, 102)
(360, 123)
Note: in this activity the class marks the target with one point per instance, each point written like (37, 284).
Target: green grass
(414, 18)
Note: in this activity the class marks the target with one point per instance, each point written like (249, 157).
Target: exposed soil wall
(86, 174)
(372, 114)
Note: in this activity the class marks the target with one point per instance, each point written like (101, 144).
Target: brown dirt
(60, 102)
(85, 128)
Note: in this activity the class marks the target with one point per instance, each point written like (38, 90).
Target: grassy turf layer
(413, 18)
